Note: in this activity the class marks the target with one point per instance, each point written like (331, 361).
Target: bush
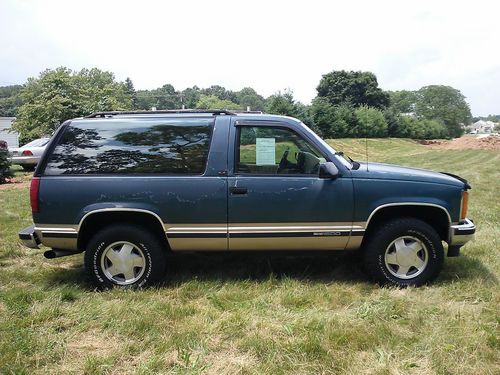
(332, 121)
(5, 171)
(410, 127)
(371, 122)
(344, 121)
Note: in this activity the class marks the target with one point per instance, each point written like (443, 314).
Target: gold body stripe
(213, 237)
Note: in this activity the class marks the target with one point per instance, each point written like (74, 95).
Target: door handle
(238, 190)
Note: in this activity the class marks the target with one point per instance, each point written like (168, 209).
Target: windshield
(339, 157)
(38, 142)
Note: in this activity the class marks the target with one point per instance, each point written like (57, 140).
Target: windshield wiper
(355, 164)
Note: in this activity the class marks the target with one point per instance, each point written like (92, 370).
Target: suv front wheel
(404, 252)
(124, 255)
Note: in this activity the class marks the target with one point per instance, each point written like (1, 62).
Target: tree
(145, 99)
(408, 126)
(97, 90)
(130, 90)
(354, 89)
(167, 97)
(10, 100)
(282, 104)
(395, 127)
(445, 104)
(221, 93)
(305, 114)
(213, 102)
(48, 101)
(248, 97)
(191, 96)
(61, 94)
(285, 104)
(371, 123)
(332, 121)
(402, 101)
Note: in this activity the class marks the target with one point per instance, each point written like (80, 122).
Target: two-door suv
(128, 187)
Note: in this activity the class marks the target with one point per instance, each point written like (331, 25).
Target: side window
(275, 151)
(172, 146)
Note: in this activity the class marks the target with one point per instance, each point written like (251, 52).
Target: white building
(482, 126)
(11, 137)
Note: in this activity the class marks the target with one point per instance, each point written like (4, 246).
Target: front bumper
(29, 238)
(462, 232)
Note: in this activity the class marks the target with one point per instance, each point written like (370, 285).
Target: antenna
(366, 150)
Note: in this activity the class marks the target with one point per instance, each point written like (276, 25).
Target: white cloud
(269, 45)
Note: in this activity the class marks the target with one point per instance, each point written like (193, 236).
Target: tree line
(348, 104)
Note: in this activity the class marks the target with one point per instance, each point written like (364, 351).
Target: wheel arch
(435, 215)
(94, 220)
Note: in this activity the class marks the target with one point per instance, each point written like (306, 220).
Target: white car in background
(28, 155)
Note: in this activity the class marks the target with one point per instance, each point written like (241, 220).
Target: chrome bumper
(29, 238)
(24, 160)
(462, 233)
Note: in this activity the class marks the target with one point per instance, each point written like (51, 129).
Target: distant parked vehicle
(29, 155)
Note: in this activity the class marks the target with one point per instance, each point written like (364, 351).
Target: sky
(268, 45)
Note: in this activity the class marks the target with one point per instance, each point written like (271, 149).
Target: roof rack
(215, 112)
(248, 112)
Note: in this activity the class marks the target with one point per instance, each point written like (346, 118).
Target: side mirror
(328, 170)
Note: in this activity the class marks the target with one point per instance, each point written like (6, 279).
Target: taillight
(465, 205)
(27, 153)
(34, 190)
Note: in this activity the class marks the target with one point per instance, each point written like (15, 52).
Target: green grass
(257, 315)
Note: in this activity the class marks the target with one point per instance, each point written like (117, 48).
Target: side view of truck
(126, 188)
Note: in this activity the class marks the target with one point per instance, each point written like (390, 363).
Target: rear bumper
(462, 233)
(29, 238)
(24, 160)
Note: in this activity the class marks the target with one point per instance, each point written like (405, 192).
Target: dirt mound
(491, 142)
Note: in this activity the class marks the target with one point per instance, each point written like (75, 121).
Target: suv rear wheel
(124, 255)
(404, 252)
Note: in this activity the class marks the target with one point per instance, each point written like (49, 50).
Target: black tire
(145, 244)
(383, 239)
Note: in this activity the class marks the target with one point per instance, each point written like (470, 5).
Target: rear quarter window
(167, 146)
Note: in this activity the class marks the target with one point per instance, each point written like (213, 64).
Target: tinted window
(275, 151)
(172, 146)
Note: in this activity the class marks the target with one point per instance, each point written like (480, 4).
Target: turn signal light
(465, 205)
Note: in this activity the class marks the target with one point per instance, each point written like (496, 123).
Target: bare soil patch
(15, 183)
(491, 142)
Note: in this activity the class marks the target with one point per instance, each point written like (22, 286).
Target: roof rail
(248, 112)
(214, 112)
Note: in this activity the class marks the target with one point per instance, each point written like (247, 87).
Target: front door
(277, 200)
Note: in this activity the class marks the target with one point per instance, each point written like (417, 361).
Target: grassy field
(259, 315)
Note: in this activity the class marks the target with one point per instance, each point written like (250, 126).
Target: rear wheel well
(434, 216)
(95, 222)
